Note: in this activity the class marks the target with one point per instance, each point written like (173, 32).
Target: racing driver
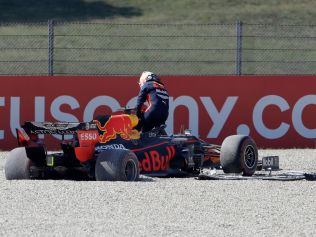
(154, 92)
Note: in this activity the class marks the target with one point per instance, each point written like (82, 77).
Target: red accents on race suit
(149, 102)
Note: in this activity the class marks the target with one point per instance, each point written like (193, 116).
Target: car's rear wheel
(239, 154)
(117, 165)
(17, 165)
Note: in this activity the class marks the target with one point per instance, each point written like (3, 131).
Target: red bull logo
(122, 125)
(157, 161)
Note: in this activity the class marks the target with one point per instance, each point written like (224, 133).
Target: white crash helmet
(147, 76)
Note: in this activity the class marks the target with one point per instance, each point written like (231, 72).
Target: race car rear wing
(60, 128)
(29, 131)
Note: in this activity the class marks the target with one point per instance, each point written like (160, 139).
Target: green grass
(224, 11)
(192, 37)
(162, 11)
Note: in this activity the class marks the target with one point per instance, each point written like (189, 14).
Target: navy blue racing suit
(158, 99)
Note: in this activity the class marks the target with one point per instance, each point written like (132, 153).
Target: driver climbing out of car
(154, 92)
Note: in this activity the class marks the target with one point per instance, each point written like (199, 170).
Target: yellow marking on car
(50, 161)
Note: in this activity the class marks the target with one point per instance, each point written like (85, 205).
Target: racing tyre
(17, 165)
(117, 165)
(239, 154)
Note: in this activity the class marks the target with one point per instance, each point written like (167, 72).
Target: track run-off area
(163, 206)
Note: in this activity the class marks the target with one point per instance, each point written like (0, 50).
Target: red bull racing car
(109, 148)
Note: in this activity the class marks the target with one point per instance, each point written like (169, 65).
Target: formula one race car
(109, 148)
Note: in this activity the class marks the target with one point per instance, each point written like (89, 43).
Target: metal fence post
(50, 47)
(239, 48)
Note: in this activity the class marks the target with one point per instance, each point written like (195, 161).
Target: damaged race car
(110, 149)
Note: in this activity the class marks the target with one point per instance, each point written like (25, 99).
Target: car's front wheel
(239, 154)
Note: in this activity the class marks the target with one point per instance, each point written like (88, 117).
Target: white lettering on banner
(132, 102)
(218, 115)
(297, 116)
(2, 103)
(14, 114)
(40, 111)
(219, 118)
(97, 102)
(258, 118)
(61, 116)
(243, 129)
(64, 100)
(193, 108)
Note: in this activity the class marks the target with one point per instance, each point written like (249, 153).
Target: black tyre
(17, 165)
(239, 154)
(117, 165)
